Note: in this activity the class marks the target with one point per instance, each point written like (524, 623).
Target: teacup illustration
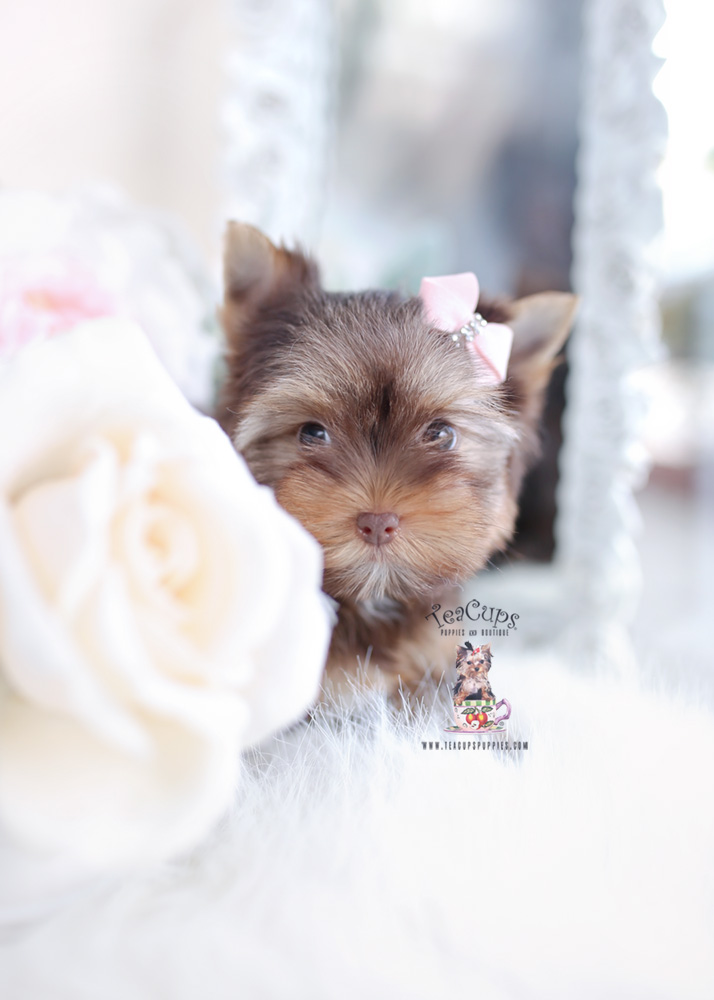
(481, 715)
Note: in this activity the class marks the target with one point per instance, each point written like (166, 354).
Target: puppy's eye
(313, 434)
(441, 434)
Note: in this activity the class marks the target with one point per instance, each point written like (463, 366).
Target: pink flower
(39, 298)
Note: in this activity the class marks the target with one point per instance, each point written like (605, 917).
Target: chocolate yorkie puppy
(385, 425)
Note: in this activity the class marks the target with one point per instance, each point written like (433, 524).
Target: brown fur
(368, 367)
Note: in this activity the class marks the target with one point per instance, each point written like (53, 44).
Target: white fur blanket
(358, 864)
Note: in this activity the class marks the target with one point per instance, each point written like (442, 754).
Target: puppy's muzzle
(377, 529)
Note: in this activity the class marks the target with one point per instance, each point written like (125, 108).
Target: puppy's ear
(541, 324)
(256, 275)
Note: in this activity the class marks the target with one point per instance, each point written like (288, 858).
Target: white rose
(157, 608)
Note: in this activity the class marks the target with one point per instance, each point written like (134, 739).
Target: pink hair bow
(449, 303)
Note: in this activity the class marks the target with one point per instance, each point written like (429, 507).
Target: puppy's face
(474, 665)
(370, 425)
(470, 662)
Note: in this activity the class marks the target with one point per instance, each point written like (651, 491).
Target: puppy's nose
(377, 529)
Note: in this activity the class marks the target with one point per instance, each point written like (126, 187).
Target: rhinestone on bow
(470, 329)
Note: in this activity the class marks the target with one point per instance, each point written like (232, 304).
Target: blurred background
(448, 137)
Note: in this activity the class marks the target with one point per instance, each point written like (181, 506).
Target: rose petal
(285, 685)
(244, 573)
(111, 637)
(41, 662)
(63, 525)
(62, 789)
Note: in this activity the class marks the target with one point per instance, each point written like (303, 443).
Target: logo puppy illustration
(475, 704)
(472, 667)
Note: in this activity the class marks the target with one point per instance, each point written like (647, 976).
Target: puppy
(472, 667)
(373, 430)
